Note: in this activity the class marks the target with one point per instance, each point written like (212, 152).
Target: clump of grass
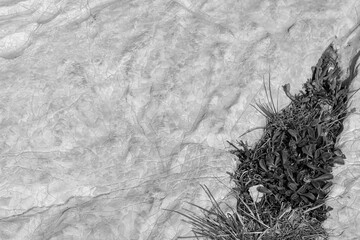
(292, 162)
(247, 222)
(216, 224)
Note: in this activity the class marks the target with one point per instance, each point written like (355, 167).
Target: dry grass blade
(268, 110)
(248, 131)
(274, 110)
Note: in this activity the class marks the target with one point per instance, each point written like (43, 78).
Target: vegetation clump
(291, 165)
(294, 158)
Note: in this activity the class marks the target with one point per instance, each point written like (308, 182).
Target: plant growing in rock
(291, 164)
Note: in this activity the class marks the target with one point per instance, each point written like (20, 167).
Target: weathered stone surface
(112, 111)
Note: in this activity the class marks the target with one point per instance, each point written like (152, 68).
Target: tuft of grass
(214, 223)
(247, 222)
(268, 109)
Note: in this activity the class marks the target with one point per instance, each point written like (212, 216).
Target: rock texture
(112, 111)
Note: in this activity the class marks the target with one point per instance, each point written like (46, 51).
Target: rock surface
(112, 111)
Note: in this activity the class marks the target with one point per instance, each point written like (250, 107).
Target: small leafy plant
(291, 163)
